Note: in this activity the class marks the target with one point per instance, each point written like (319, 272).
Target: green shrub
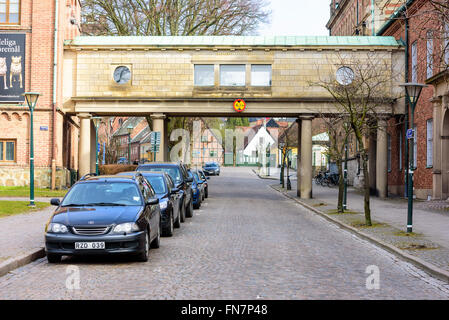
(111, 169)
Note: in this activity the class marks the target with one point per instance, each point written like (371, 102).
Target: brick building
(32, 33)
(425, 47)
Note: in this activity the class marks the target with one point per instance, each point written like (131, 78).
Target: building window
(261, 75)
(446, 42)
(8, 150)
(429, 54)
(429, 162)
(415, 148)
(233, 75)
(204, 75)
(400, 151)
(389, 152)
(414, 62)
(9, 11)
(213, 153)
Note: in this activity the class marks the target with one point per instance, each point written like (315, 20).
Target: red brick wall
(37, 21)
(424, 108)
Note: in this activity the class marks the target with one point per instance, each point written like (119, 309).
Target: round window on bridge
(345, 76)
(122, 75)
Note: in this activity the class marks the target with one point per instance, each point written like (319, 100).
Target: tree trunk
(341, 186)
(366, 190)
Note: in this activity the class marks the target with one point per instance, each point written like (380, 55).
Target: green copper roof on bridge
(269, 41)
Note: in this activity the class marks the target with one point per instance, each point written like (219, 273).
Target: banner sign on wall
(12, 67)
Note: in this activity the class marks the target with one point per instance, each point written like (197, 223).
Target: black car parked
(211, 168)
(206, 184)
(178, 173)
(169, 199)
(105, 215)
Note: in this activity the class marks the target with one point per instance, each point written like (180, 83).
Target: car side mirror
(152, 201)
(189, 179)
(174, 190)
(55, 202)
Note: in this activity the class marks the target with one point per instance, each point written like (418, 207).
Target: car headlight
(127, 227)
(57, 228)
(163, 205)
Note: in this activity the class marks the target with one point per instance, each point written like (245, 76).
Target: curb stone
(20, 261)
(424, 265)
(264, 177)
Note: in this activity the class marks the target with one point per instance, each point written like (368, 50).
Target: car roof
(117, 178)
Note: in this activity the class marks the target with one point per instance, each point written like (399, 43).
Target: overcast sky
(297, 17)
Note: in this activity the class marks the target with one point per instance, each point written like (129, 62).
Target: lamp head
(413, 91)
(31, 99)
(130, 129)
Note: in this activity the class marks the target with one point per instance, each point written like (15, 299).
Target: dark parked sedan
(178, 173)
(203, 177)
(105, 215)
(169, 199)
(211, 168)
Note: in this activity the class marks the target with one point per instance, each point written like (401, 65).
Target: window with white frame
(446, 42)
(233, 75)
(7, 150)
(415, 148)
(415, 61)
(204, 75)
(261, 75)
(429, 54)
(429, 157)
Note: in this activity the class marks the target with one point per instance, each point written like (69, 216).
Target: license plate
(89, 245)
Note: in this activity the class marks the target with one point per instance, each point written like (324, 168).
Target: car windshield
(210, 165)
(158, 183)
(173, 172)
(103, 194)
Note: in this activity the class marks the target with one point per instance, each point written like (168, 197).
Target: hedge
(111, 169)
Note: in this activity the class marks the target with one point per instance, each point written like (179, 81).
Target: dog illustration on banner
(16, 70)
(3, 71)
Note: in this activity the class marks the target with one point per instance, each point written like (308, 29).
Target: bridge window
(204, 75)
(261, 75)
(232, 75)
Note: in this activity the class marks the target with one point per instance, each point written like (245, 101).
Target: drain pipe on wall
(372, 17)
(55, 71)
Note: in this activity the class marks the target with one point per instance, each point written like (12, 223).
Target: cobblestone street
(246, 242)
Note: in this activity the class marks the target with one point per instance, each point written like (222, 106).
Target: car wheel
(168, 230)
(143, 257)
(189, 212)
(183, 212)
(54, 258)
(177, 223)
(157, 241)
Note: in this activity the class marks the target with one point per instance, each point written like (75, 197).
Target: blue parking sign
(410, 133)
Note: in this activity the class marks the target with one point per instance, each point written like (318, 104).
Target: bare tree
(172, 17)
(361, 86)
(288, 138)
(339, 130)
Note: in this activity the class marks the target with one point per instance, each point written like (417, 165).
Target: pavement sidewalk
(22, 238)
(428, 245)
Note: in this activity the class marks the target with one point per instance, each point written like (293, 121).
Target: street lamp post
(282, 145)
(345, 171)
(96, 121)
(31, 99)
(412, 93)
(130, 130)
